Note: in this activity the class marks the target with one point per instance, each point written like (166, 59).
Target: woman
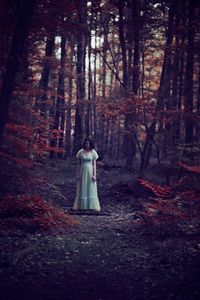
(86, 192)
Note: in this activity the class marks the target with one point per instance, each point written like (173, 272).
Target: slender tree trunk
(143, 63)
(69, 104)
(130, 48)
(61, 94)
(107, 134)
(198, 106)
(54, 140)
(94, 115)
(129, 141)
(123, 44)
(175, 88)
(101, 122)
(198, 93)
(119, 137)
(171, 86)
(189, 77)
(80, 71)
(59, 106)
(52, 112)
(40, 104)
(147, 149)
(181, 70)
(89, 107)
(78, 129)
(126, 140)
(111, 84)
(136, 57)
(16, 52)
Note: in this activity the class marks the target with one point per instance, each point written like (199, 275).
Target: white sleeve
(78, 155)
(94, 154)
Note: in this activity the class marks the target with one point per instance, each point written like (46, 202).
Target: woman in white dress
(86, 191)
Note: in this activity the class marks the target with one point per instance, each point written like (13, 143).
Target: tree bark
(61, 94)
(89, 105)
(59, 116)
(164, 86)
(188, 103)
(80, 86)
(16, 52)
(129, 144)
(69, 104)
(40, 104)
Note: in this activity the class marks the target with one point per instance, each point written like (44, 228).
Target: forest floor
(106, 255)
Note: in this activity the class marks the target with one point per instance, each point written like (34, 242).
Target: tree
(188, 104)
(80, 69)
(13, 60)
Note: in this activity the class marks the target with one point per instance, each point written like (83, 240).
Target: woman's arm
(94, 169)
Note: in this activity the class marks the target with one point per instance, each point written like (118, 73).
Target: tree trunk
(101, 121)
(61, 94)
(40, 104)
(198, 106)
(164, 86)
(175, 87)
(126, 140)
(69, 104)
(59, 116)
(129, 143)
(16, 52)
(89, 106)
(94, 116)
(80, 82)
(188, 103)
(171, 85)
(107, 134)
(122, 43)
(181, 70)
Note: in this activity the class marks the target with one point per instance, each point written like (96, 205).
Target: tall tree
(80, 70)
(162, 93)
(129, 142)
(69, 102)
(40, 104)
(61, 94)
(13, 60)
(188, 104)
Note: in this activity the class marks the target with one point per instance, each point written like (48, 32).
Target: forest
(125, 74)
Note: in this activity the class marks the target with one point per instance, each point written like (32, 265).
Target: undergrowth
(32, 213)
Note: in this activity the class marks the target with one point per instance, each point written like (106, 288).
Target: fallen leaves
(32, 213)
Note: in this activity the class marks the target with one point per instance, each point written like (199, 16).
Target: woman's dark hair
(91, 143)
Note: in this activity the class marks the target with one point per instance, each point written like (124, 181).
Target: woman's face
(87, 145)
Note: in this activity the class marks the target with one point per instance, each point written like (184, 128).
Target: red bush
(169, 206)
(156, 190)
(32, 213)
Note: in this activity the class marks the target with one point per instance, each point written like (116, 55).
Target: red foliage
(193, 169)
(163, 211)
(190, 195)
(163, 192)
(168, 207)
(25, 144)
(22, 130)
(20, 161)
(32, 213)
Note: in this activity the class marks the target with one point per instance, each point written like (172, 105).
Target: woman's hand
(94, 178)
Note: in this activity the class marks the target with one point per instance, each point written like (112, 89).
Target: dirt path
(102, 257)
(96, 260)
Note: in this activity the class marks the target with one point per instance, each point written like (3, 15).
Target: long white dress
(86, 191)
